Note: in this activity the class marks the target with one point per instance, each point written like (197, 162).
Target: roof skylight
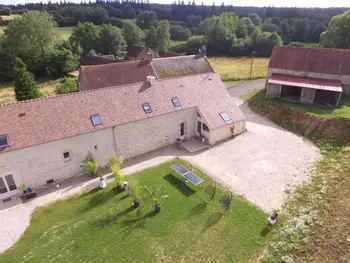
(147, 108)
(225, 116)
(176, 101)
(4, 140)
(95, 119)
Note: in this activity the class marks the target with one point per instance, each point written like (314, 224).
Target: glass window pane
(96, 120)
(3, 140)
(176, 101)
(2, 186)
(225, 116)
(10, 182)
(147, 108)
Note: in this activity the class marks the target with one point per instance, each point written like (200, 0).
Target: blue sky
(297, 3)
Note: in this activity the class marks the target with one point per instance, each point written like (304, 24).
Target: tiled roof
(181, 66)
(316, 60)
(98, 60)
(38, 121)
(116, 74)
(305, 82)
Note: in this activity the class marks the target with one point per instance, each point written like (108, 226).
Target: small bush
(66, 85)
(295, 44)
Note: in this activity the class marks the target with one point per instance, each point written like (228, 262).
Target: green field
(342, 111)
(102, 226)
(306, 44)
(233, 69)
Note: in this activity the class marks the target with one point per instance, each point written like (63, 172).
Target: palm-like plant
(115, 164)
(134, 189)
(91, 165)
(157, 194)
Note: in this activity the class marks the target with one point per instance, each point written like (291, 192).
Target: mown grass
(7, 94)
(233, 69)
(310, 44)
(342, 111)
(102, 226)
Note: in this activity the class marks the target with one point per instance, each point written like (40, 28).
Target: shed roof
(305, 82)
(38, 121)
(316, 60)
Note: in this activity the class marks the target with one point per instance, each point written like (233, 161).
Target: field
(342, 111)
(102, 226)
(233, 69)
(7, 94)
(306, 44)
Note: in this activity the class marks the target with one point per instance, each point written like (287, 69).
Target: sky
(287, 3)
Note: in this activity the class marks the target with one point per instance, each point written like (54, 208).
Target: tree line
(292, 24)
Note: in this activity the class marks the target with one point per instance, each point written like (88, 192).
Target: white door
(7, 186)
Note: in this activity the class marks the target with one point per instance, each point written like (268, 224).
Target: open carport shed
(309, 90)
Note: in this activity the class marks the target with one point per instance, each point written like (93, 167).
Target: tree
(111, 41)
(7, 62)
(66, 85)
(250, 25)
(255, 19)
(193, 21)
(145, 19)
(241, 30)
(29, 36)
(133, 35)
(337, 34)
(158, 37)
(269, 27)
(116, 22)
(98, 16)
(128, 11)
(265, 42)
(179, 33)
(302, 29)
(113, 12)
(60, 61)
(25, 85)
(86, 35)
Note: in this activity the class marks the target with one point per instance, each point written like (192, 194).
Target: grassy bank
(315, 223)
(232, 69)
(102, 226)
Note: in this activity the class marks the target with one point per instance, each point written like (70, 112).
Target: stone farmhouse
(309, 75)
(47, 139)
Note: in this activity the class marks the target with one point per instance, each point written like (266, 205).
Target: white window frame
(9, 192)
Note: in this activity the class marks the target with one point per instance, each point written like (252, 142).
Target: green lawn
(342, 111)
(310, 44)
(101, 226)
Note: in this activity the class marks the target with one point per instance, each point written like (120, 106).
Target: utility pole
(251, 65)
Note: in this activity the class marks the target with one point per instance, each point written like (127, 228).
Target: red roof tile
(116, 74)
(38, 121)
(316, 60)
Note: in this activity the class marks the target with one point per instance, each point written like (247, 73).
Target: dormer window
(95, 119)
(147, 108)
(176, 101)
(225, 116)
(4, 140)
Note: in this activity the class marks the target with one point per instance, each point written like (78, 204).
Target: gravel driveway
(261, 163)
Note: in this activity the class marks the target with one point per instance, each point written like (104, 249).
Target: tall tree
(86, 35)
(255, 19)
(145, 19)
(112, 41)
(158, 37)
(25, 85)
(128, 11)
(29, 36)
(133, 35)
(337, 34)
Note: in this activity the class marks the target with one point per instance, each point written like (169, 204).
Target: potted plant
(91, 165)
(156, 194)
(134, 191)
(103, 182)
(115, 164)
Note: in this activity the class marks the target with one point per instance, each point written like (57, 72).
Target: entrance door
(199, 126)
(7, 186)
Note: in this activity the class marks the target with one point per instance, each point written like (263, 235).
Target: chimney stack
(151, 80)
